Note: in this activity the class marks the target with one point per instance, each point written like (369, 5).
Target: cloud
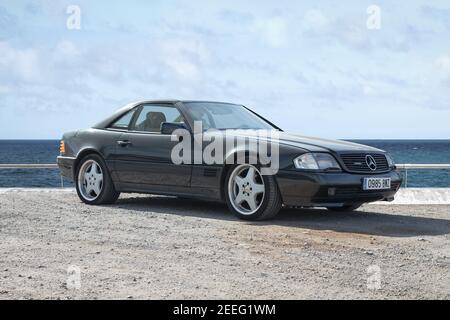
(440, 15)
(185, 57)
(236, 17)
(272, 30)
(279, 60)
(443, 63)
(351, 32)
(4, 89)
(67, 49)
(33, 8)
(8, 23)
(315, 21)
(21, 63)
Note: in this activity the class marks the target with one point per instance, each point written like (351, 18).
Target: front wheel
(93, 181)
(251, 195)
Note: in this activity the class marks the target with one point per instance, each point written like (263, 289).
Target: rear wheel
(350, 207)
(93, 181)
(251, 195)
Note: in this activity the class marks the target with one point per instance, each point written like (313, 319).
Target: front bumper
(301, 188)
(66, 165)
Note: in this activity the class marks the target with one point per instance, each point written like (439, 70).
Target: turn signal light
(62, 147)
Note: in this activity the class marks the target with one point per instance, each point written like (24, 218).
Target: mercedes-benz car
(133, 151)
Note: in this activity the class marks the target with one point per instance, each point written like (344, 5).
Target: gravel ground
(148, 247)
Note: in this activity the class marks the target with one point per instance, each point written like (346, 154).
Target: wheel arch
(83, 153)
(223, 176)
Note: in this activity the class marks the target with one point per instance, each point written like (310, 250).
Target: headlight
(306, 161)
(390, 161)
(316, 161)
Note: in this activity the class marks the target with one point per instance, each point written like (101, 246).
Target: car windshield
(225, 116)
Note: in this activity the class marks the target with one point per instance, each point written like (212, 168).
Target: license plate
(376, 183)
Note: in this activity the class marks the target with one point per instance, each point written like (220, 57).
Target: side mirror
(170, 127)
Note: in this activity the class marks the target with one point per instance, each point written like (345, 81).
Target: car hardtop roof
(174, 101)
(106, 122)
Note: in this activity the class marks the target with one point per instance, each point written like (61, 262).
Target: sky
(314, 68)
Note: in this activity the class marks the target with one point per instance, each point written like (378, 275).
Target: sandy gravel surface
(156, 247)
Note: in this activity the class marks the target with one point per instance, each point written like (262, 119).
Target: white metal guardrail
(407, 166)
(28, 166)
(402, 166)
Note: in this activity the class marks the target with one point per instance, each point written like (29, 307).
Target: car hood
(311, 144)
(319, 144)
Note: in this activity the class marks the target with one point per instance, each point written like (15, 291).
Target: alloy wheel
(246, 189)
(90, 180)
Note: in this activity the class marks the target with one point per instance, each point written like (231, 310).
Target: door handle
(123, 143)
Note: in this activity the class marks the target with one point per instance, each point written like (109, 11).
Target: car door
(144, 153)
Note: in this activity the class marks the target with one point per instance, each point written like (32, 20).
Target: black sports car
(137, 149)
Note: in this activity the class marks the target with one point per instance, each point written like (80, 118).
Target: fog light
(331, 191)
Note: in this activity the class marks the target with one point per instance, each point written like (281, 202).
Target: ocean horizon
(417, 151)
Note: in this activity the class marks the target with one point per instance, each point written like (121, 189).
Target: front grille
(356, 162)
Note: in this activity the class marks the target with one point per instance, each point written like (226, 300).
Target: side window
(203, 115)
(152, 116)
(123, 121)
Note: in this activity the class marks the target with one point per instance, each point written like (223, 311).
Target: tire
(91, 169)
(350, 207)
(240, 184)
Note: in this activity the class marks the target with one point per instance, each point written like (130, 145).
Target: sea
(46, 151)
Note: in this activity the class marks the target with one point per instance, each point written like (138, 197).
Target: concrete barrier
(404, 195)
(43, 190)
(421, 196)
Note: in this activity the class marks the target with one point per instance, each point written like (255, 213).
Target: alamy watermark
(73, 21)
(230, 146)
(373, 21)
(73, 277)
(374, 278)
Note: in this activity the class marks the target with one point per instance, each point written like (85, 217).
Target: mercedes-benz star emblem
(371, 163)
